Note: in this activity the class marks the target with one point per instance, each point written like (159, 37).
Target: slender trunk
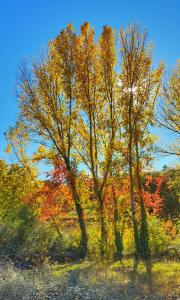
(117, 233)
(135, 226)
(144, 238)
(133, 214)
(102, 222)
(80, 214)
(56, 227)
(103, 229)
(69, 126)
(144, 235)
(96, 185)
(79, 211)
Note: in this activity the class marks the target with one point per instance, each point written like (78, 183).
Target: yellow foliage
(8, 149)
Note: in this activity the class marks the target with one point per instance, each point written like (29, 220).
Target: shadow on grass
(129, 279)
(121, 281)
(89, 280)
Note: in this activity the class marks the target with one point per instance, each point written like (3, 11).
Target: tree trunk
(133, 215)
(117, 233)
(100, 199)
(144, 238)
(103, 226)
(135, 226)
(79, 211)
(84, 238)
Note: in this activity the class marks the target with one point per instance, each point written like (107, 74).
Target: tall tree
(139, 89)
(96, 128)
(169, 109)
(47, 106)
(108, 63)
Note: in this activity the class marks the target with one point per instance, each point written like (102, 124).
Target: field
(89, 280)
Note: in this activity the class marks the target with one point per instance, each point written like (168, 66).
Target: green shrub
(128, 241)
(159, 240)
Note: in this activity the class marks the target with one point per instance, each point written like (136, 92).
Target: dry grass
(87, 280)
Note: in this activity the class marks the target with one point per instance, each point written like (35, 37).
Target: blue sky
(27, 25)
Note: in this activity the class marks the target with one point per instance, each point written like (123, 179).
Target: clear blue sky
(27, 25)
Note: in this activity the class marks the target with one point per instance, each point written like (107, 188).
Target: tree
(53, 198)
(16, 217)
(47, 107)
(96, 124)
(108, 62)
(95, 119)
(169, 109)
(17, 144)
(139, 89)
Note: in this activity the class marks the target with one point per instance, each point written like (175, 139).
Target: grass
(89, 280)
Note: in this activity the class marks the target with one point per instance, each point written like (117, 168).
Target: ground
(92, 280)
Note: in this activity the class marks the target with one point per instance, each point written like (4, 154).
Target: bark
(135, 225)
(79, 211)
(144, 237)
(133, 215)
(97, 191)
(102, 222)
(117, 233)
(80, 214)
(103, 230)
